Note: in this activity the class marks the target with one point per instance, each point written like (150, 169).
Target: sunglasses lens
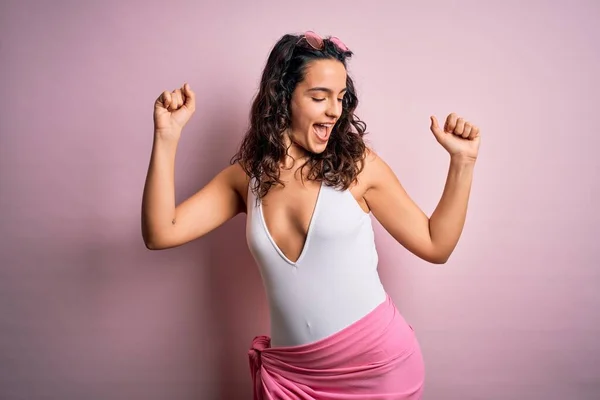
(314, 40)
(339, 44)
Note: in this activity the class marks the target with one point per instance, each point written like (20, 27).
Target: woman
(309, 186)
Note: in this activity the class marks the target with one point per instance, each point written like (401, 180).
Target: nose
(335, 108)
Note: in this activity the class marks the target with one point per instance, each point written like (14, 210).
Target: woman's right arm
(165, 225)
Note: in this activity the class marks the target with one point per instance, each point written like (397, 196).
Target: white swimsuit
(333, 283)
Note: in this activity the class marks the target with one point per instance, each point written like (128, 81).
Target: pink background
(86, 312)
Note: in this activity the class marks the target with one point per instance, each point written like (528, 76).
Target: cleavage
(288, 216)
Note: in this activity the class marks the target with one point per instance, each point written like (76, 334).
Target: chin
(318, 148)
(312, 145)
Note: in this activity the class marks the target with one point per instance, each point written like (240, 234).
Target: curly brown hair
(263, 148)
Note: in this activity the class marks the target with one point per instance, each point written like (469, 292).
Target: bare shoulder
(238, 179)
(375, 170)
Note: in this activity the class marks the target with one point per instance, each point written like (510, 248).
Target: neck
(294, 153)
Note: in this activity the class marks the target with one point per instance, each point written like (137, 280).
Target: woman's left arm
(432, 239)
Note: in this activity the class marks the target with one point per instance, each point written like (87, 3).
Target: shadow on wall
(238, 307)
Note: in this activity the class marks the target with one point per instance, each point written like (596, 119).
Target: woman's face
(316, 106)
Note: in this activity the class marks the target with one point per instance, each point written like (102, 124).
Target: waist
(299, 318)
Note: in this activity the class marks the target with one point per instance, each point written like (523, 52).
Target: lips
(323, 130)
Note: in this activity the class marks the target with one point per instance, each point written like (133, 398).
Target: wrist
(167, 135)
(462, 159)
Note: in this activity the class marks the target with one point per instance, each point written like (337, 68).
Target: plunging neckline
(308, 232)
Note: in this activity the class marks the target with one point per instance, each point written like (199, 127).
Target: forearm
(447, 221)
(158, 202)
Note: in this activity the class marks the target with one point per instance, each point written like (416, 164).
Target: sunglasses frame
(316, 42)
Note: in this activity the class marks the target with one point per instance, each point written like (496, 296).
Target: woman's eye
(340, 100)
(318, 99)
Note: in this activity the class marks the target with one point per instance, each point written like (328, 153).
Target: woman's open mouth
(323, 131)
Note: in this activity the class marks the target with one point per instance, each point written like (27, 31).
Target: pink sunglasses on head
(316, 42)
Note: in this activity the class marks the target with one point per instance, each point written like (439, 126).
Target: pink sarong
(376, 357)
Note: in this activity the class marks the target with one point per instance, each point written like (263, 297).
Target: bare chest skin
(287, 211)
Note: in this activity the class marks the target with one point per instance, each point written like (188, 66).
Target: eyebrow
(324, 89)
